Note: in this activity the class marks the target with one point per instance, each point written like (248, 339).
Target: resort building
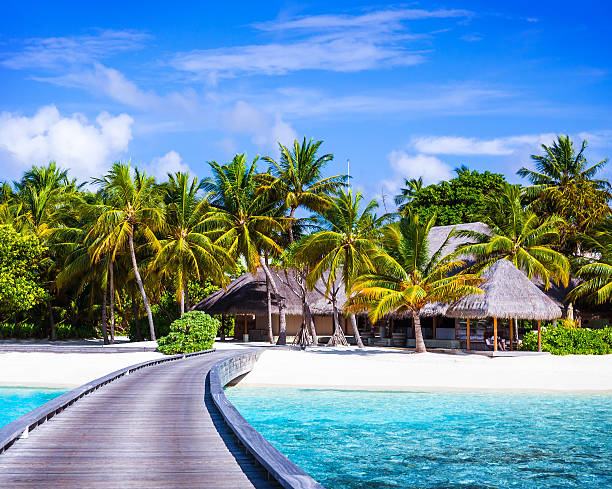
(443, 326)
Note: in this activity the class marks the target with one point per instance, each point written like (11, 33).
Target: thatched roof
(247, 295)
(438, 234)
(508, 294)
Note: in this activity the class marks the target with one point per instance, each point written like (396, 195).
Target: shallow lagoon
(17, 401)
(365, 439)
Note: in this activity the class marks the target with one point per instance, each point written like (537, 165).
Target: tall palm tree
(597, 275)
(341, 249)
(132, 205)
(408, 275)
(408, 192)
(186, 252)
(245, 222)
(520, 236)
(297, 179)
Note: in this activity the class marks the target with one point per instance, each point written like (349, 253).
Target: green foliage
(561, 340)
(457, 200)
(194, 331)
(67, 331)
(22, 331)
(20, 259)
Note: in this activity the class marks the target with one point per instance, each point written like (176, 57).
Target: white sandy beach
(66, 370)
(388, 369)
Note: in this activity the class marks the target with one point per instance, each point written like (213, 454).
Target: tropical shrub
(68, 331)
(561, 340)
(18, 331)
(20, 257)
(194, 331)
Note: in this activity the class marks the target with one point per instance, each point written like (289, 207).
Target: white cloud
(409, 166)
(372, 19)
(113, 84)
(454, 145)
(472, 37)
(85, 148)
(171, 162)
(343, 43)
(265, 129)
(52, 52)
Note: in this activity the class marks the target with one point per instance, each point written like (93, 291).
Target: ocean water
(17, 401)
(364, 439)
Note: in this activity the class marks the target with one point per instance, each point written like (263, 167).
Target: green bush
(194, 331)
(6, 330)
(560, 340)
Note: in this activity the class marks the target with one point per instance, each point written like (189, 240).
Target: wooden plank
(149, 429)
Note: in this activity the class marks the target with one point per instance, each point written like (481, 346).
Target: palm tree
(297, 180)
(561, 165)
(408, 192)
(407, 276)
(342, 248)
(564, 184)
(597, 286)
(45, 195)
(245, 222)
(132, 205)
(520, 236)
(186, 252)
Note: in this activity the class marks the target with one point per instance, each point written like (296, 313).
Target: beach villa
(509, 296)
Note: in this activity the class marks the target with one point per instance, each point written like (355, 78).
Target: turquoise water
(17, 401)
(361, 439)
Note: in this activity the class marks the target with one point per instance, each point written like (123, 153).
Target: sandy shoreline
(340, 368)
(386, 369)
(63, 370)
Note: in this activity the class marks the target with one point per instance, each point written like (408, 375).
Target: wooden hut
(508, 294)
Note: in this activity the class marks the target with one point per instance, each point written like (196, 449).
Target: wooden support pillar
(435, 323)
(511, 335)
(468, 333)
(494, 334)
(539, 335)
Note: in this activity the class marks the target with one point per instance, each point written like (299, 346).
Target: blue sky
(401, 89)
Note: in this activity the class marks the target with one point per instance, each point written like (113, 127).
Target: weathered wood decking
(150, 429)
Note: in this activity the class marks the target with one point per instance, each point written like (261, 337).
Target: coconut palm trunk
(337, 338)
(310, 321)
(104, 317)
(282, 307)
(140, 285)
(356, 331)
(111, 275)
(418, 333)
(269, 311)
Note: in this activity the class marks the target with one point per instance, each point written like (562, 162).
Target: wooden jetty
(155, 428)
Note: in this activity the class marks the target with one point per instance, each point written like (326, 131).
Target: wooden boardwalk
(156, 428)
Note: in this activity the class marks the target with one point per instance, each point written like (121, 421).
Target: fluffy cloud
(265, 130)
(409, 166)
(451, 145)
(171, 162)
(85, 148)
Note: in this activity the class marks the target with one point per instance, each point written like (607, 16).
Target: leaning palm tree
(245, 222)
(297, 179)
(520, 236)
(408, 275)
(132, 205)
(341, 249)
(597, 275)
(186, 252)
